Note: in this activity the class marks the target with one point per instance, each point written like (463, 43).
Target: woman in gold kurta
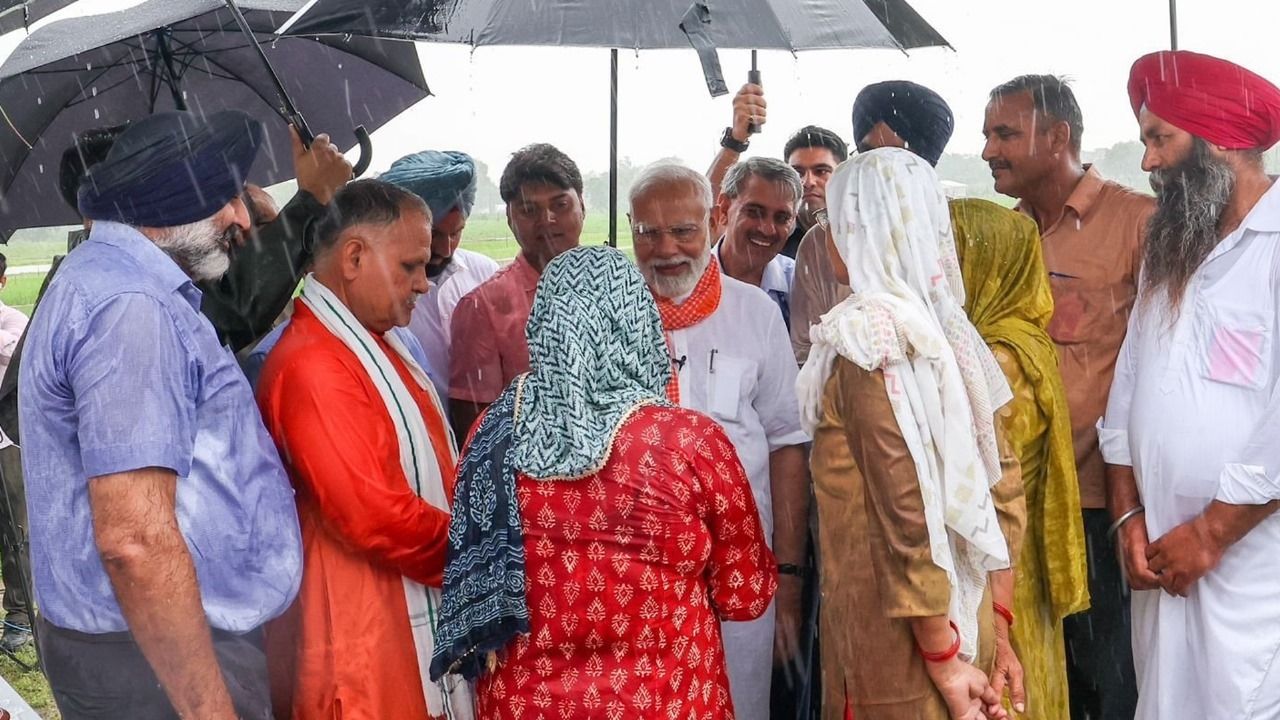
(898, 390)
(1008, 300)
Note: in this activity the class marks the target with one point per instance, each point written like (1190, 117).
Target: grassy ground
(30, 684)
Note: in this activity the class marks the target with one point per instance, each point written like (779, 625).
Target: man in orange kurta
(345, 649)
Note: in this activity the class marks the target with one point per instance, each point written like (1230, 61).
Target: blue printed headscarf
(597, 354)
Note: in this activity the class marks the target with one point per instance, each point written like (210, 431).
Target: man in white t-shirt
(732, 360)
(447, 182)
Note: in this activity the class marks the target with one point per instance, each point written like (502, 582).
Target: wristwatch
(729, 142)
(790, 569)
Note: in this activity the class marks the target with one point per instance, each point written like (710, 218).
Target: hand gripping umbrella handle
(288, 109)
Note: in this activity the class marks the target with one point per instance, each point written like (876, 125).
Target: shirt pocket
(1236, 345)
(1086, 311)
(729, 380)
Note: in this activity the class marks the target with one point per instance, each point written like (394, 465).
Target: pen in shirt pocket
(711, 366)
(1053, 274)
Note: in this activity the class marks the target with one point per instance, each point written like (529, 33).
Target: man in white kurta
(733, 361)
(434, 310)
(1192, 429)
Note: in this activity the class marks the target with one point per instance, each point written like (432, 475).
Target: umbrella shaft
(288, 109)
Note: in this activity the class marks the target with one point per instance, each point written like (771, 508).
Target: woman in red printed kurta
(637, 529)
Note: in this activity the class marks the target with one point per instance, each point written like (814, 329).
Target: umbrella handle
(366, 152)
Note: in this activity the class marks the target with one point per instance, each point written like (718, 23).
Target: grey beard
(1183, 230)
(199, 248)
(674, 287)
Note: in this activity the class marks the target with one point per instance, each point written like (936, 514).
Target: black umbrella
(165, 54)
(629, 24)
(15, 14)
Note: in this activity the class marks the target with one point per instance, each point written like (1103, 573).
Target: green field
(488, 235)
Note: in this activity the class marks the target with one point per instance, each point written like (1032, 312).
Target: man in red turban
(1190, 434)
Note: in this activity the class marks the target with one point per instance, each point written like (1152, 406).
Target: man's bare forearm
(154, 579)
(1227, 523)
(724, 160)
(1122, 490)
(789, 486)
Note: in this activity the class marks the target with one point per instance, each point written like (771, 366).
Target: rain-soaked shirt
(1093, 254)
(122, 372)
(489, 347)
(434, 310)
(1195, 411)
(776, 281)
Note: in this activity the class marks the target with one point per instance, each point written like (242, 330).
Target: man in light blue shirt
(163, 528)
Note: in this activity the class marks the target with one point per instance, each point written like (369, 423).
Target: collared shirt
(1093, 254)
(776, 281)
(1195, 411)
(122, 372)
(12, 323)
(487, 327)
(739, 370)
(431, 316)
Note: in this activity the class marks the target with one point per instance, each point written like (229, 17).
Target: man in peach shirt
(1092, 230)
(542, 188)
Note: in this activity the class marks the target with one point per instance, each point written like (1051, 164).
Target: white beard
(677, 286)
(198, 248)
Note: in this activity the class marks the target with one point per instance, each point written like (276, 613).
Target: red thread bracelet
(1003, 612)
(945, 655)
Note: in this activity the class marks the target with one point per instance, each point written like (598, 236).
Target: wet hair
(765, 168)
(1052, 97)
(669, 173)
(812, 136)
(364, 202)
(88, 149)
(4, 264)
(540, 163)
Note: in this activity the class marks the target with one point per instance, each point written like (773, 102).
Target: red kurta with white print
(630, 572)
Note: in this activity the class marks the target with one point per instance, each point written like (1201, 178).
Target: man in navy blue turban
(905, 114)
(446, 180)
(165, 534)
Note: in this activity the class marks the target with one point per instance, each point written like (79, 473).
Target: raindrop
(96, 116)
(93, 91)
(41, 168)
(40, 101)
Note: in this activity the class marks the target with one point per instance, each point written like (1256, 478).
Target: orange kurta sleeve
(336, 438)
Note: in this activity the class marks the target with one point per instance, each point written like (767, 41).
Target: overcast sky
(492, 101)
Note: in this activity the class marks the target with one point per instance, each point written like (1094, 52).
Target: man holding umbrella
(167, 534)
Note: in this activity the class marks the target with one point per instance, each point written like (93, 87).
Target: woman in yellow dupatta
(1008, 301)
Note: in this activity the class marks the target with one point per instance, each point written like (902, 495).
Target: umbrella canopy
(15, 14)
(634, 24)
(103, 70)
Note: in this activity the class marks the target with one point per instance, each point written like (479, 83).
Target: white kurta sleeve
(1113, 428)
(776, 402)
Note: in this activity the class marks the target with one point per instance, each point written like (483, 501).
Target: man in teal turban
(446, 181)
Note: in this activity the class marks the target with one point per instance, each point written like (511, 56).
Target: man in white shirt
(447, 182)
(1192, 430)
(757, 208)
(733, 361)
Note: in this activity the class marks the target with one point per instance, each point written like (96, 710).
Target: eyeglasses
(688, 234)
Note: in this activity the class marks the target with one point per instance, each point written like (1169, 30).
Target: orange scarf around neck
(703, 301)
